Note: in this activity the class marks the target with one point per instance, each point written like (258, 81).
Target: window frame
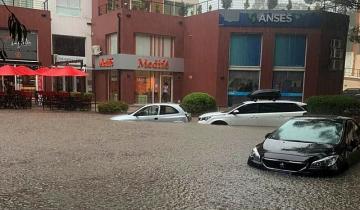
(240, 67)
(291, 68)
(68, 8)
(177, 111)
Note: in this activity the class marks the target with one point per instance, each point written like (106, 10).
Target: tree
(342, 6)
(289, 5)
(17, 31)
(226, 4)
(183, 10)
(246, 4)
(272, 4)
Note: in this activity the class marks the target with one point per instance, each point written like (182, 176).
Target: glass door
(166, 88)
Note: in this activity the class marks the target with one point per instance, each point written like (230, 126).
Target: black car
(309, 145)
(267, 94)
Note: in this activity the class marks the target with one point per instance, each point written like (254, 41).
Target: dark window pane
(269, 107)
(290, 50)
(69, 45)
(289, 83)
(167, 110)
(245, 50)
(241, 83)
(248, 109)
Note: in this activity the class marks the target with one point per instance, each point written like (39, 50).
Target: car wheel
(219, 123)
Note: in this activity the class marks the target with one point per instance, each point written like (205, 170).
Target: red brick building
(36, 50)
(226, 53)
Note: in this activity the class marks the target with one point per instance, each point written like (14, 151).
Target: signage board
(272, 18)
(136, 62)
(28, 50)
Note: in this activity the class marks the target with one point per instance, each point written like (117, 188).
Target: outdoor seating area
(13, 97)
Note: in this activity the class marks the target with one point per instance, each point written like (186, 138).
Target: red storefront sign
(108, 62)
(156, 64)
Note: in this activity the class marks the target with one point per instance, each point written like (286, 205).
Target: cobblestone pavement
(55, 160)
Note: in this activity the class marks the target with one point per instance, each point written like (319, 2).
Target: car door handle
(253, 117)
(156, 118)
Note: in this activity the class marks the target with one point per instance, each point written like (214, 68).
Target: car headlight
(204, 118)
(325, 162)
(254, 155)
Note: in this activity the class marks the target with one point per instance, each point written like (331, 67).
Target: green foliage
(226, 4)
(198, 103)
(246, 4)
(333, 105)
(183, 10)
(272, 4)
(87, 96)
(289, 5)
(112, 107)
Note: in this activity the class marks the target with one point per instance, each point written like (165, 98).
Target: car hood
(294, 151)
(212, 114)
(124, 117)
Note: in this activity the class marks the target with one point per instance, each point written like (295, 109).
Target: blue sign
(266, 18)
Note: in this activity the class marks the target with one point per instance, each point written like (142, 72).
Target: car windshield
(231, 108)
(320, 131)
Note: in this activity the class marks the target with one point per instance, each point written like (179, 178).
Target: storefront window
(290, 50)
(241, 83)
(153, 87)
(154, 45)
(290, 84)
(245, 50)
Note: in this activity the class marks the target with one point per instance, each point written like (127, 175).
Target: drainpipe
(119, 52)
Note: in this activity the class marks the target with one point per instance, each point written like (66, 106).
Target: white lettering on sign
(275, 18)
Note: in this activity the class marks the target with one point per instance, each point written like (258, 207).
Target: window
(148, 111)
(69, 45)
(154, 45)
(19, 3)
(278, 107)
(289, 83)
(68, 7)
(167, 110)
(241, 83)
(245, 50)
(290, 50)
(248, 109)
(112, 43)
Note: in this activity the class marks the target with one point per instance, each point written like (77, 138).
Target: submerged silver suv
(256, 113)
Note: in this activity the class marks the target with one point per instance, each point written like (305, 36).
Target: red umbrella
(42, 70)
(8, 71)
(24, 71)
(66, 71)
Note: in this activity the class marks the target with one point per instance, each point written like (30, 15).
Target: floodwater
(56, 160)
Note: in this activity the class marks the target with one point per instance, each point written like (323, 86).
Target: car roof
(167, 104)
(276, 101)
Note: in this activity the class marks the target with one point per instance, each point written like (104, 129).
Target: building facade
(35, 51)
(226, 53)
(71, 40)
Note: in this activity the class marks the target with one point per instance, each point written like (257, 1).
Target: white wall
(74, 26)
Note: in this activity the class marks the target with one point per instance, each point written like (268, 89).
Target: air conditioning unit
(337, 53)
(337, 65)
(336, 43)
(96, 50)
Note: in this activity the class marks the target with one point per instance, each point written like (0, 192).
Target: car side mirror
(235, 112)
(267, 135)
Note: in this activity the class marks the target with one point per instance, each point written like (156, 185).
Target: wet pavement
(54, 160)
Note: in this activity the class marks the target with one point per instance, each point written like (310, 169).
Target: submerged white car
(256, 113)
(161, 112)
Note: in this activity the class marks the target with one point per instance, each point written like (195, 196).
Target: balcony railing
(184, 9)
(31, 4)
(167, 7)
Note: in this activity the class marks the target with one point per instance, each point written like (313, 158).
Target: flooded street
(54, 160)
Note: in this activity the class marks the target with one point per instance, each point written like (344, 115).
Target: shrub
(333, 105)
(112, 107)
(87, 96)
(198, 103)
